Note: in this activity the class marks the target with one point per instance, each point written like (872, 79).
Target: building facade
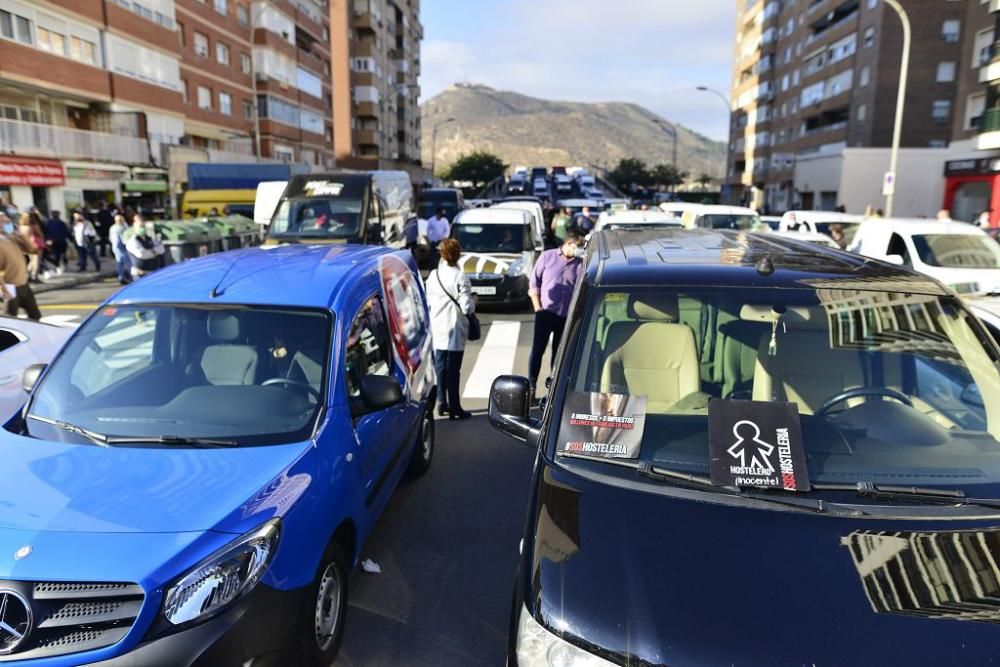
(109, 100)
(813, 78)
(376, 65)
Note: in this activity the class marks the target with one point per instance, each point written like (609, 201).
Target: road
(448, 543)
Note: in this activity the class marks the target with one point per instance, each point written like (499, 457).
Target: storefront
(971, 187)
(90, 183)
(147, 191)
(28, 182)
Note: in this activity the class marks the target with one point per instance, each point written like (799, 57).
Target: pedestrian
(438, 228)
(56, 238)
(7, 207)
(103, 220)
(122, 261)
(837, 234)
(983, 220)
(944, 214)
(449, 298)
(583, 223)
(85, 238)
(33, 245)
(560, 224)
(145, 252)
(551, 287)
(6, 226)
(15, 291)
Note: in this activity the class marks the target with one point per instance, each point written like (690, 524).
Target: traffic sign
(889, 184)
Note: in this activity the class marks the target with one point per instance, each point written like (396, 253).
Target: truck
(233, 186)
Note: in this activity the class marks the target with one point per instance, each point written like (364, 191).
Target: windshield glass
(928, 409)
(252, 375)
(958, 251)
(491, 238)
(427, 209)
(730, 221)
(841, 232)
(338, 218)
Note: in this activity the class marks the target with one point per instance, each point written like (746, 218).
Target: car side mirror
(895, 259)
(510, 406)
(379, 392)
(375, 232)
(30, 377)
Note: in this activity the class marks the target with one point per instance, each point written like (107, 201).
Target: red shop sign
(18, 171)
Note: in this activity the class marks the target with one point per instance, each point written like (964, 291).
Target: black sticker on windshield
(602, 425)
(758, 444)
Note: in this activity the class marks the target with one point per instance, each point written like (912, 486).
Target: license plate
(484, 290)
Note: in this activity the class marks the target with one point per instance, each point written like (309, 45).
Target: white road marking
(62, 320)
(496, 357)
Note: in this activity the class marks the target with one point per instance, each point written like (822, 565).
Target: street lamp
(434, 139)
(897, 127)
(729, 113)
(672, 131)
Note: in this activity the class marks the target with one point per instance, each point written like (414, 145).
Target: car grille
(69, 617)
(485, 278)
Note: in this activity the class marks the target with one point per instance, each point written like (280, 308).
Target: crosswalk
(71, 321)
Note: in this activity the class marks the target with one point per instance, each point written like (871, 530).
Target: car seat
(224, 361)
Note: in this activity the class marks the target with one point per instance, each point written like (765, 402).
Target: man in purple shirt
(551, 288)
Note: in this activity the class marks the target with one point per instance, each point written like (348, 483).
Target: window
(226, 104)
(974, 107)
(941, 110)
(23, 29)
(221, 53)
(222, 6)
(83, 50)
(862, 111)
(869, 37)
(184, 90)
(51, 41)
(136, 61)
(200, 44)
(795, 77)
(180, 34)
(243, 15)
(950, 30)
(865, 76)
(6, 24)
(981, 48)
(872, 4)
(247, 110)
(367, 349)
(246, 64)
(946, 71)
(204, 97)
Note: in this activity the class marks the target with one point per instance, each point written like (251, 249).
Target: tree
(629, 173)
(704, 181)
(667, 175)
(479, 167)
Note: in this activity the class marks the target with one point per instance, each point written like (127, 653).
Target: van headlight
(223, 577)
(537, 647)
(516, 268)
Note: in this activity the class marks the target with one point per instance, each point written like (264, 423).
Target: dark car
(759, 451)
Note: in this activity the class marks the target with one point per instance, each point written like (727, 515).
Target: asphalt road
(447, 544)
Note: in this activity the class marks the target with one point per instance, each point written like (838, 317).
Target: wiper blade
(646, 469)
(913, 494)
(171, 440)
(93, 436)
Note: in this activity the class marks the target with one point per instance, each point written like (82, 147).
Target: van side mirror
(30, 377)
(375, 233)
(895, 259)
(379, 392)
(510, 406)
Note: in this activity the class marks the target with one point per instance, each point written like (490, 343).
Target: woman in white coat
(449, 297)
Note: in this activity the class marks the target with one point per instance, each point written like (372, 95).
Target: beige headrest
(659, 307)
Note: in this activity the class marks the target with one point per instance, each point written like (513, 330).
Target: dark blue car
(759, 452)
(195, 474)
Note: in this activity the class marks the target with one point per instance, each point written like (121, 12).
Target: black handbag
(475, 329)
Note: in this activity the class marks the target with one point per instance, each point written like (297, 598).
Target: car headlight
(222, 577)
(537, 647)
(516, 268)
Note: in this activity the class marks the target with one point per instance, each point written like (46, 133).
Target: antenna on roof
(215, 290)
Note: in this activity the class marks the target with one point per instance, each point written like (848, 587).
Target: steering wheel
(293, 383)
(862, 391)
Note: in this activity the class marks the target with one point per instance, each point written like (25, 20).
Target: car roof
(494, 215)
(719, 209)
(616, 217)
(578, 202)
(287, 275)
(520, 205)
(925, 226)
(721, 257)
(823, 216)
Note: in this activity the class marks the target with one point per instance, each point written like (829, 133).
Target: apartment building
(109, 100)
(376, 54)
(816, 78)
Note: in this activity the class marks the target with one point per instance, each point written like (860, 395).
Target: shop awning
(30, 171)
(144, 186)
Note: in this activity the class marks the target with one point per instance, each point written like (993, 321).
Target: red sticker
(109, 311)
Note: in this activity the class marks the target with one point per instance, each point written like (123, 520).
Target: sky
(651, 52)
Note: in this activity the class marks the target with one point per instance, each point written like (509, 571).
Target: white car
(963, 257)
(811, 237)
(24, 343)
(636, 220)
(677, 208)
(711, 216)
(822, 222)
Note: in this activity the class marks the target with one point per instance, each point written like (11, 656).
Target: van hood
(48, 486)
(496, 262)
(658, 580)
(966, 281)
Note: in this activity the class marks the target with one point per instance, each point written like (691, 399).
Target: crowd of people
(34, 248)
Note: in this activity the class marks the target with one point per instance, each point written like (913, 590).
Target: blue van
(195, 474)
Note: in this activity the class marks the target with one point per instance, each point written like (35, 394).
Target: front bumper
(254, 633)
(505, 289)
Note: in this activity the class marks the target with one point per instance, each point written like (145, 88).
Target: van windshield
(245, 374)
(927, 407)
(491, 238)
(317, 217)
(729, 221)
(958, 251)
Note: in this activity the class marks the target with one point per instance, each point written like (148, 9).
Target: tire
(423, 449)
(324, 611)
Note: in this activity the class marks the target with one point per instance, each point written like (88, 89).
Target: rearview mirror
(895, 259)
(380, 392)
(30, 377)
(510, 405)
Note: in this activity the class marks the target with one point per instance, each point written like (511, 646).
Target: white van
(958, 254)
(498, 252)
(537, 217)
(821, 222)
(711, 216)
(677, 208)
(636, 220)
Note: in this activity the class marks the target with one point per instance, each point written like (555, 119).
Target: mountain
(528, 131)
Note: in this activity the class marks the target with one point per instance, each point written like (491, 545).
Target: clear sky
(651, 52)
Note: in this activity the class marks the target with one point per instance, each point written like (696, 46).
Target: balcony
(989, 130)
(37, 139)
(366, 138)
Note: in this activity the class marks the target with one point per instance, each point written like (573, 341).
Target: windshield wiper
(913, 494)
(93, 436)
(646, 469)
(171, 440)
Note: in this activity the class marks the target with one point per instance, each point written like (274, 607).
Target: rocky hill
(528, 131)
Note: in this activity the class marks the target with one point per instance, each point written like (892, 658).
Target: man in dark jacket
(56, 239)
(104, 220)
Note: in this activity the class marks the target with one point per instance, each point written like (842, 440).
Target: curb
(73, 281)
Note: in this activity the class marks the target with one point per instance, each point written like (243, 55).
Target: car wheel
(324, 611)
(424, 450)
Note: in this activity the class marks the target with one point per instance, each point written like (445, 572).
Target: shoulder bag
(475, 330)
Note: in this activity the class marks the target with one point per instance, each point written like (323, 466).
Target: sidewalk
(71, 278)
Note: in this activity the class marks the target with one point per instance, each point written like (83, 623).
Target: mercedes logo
(15, 621)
